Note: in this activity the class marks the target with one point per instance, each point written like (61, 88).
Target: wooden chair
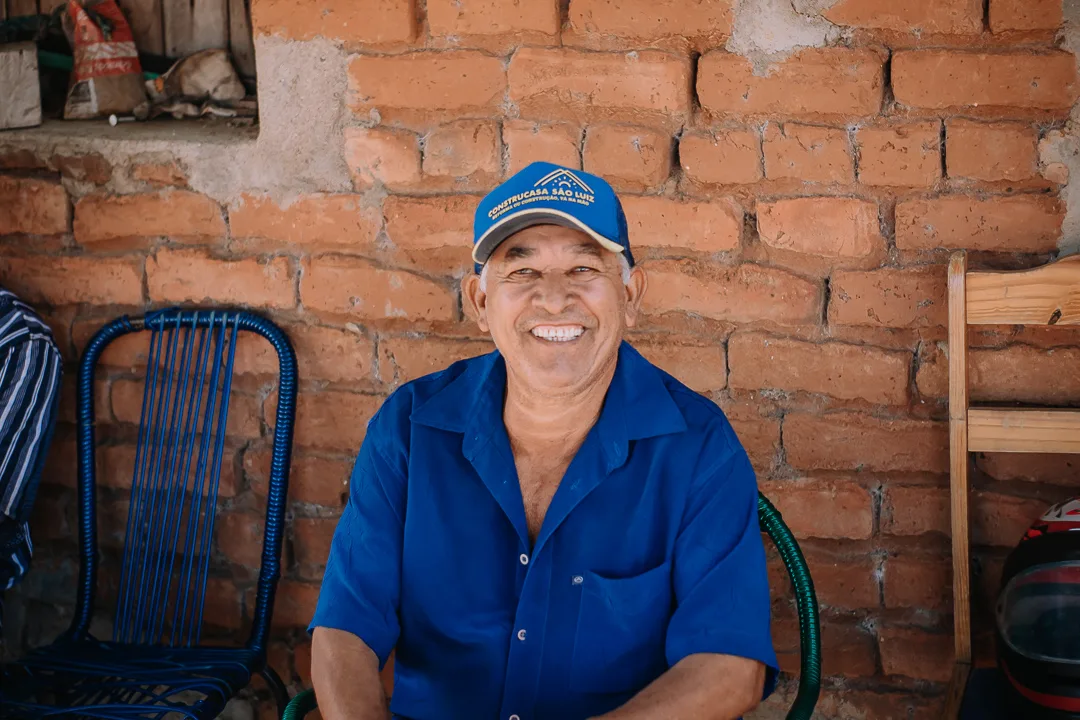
(1046, 295)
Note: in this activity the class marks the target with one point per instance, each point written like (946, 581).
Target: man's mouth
(558, 333)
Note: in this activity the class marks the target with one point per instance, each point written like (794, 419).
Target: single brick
(721, 158)
(402, 359)
(807, 152)
(991, 151)
(819, 234)
(382, 155)
(424, 86)
(665, 223)
(853, 441)
(746, 293)
(847, 372)
(1016, 373)
(701, 368)
(1018, 223)
(56, 280)
(176, 214)
(630, 158)
(919, 583)
(838, 509)
(34, 207)
(193, 276)
(646, 87)
(329, 419)
(312, 479)
(941, 79)
(915, 510)
(1006, 15)
(528, 142)
(607, 24)
(320, 220)
(463, 155)
(354, 288)
(900, 155)
(912, 297)
(916, 653)
(818, 81)
(494, 24)
(160, 174)
(375, 23)
(433, 233)
(917, 16)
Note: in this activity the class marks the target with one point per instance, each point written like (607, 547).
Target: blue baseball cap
(543, 193)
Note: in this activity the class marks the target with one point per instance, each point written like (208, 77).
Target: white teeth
(558, 333)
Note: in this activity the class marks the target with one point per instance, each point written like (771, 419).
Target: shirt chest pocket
(621, 631)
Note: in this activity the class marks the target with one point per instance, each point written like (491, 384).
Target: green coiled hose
(772, 523)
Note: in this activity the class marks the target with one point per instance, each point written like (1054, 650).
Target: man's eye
(584, 269)
(523, 272)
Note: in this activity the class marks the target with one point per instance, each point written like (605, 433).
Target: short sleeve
(720, 576)
(361, 587)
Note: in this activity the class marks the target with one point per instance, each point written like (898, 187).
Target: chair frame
(76, 640)
(1045, 295)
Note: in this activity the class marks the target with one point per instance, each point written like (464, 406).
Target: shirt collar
(638, 404)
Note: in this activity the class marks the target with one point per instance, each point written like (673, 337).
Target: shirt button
(521, 634)
(577, 580)
(524, 559)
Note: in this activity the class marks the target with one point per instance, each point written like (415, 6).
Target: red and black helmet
(1038, 618)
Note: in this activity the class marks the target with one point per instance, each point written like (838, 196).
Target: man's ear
(474, 301)
(635, 291)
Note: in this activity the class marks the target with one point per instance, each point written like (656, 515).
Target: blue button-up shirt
(649, 552)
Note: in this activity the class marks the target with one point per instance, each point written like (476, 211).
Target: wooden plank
(1023, 430)
(144, 16)
(958, 457)
(241, 44)
(954, 700)
(18, 8)
(1046, 295)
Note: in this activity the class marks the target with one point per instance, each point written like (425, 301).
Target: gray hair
(624, 266)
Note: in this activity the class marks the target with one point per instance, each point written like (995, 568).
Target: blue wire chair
(154, 666)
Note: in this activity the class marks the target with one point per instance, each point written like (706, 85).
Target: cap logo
(559, 185)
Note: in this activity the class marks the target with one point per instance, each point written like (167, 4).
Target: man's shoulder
(19, 322)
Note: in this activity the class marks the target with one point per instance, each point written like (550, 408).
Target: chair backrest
(1046, 295)
(178, 462)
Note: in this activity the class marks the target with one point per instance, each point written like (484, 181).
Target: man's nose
(554, 293)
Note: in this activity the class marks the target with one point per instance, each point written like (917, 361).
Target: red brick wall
(795, 223)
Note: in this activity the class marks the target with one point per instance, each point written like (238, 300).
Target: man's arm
(704, 686)
(345, 673)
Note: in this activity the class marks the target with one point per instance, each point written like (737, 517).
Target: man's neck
(537, 421)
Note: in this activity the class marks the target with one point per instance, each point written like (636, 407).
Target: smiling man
(557, 529)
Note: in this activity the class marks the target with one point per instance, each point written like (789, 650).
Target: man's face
(555, 305)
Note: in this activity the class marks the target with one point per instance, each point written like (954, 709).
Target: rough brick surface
(425, 85)
(311, 542)
(433, 233)
(1006, 15)
(383, 22)
(175, 214)
(917, 582)
(609, 23)
(991, 151)
(759, 435)
(463, 156)
(72, 280)
(92, 167)
(916, 653)
(1059, 469)
(332, 354)
(721, 158)
(663, 223)
(239, 537)
(528, 142)
(192, 276)
(917, 16)
(1000, 520)
(34, 207)
(357, 288)
(404, 359)
(244, 419)
(908, 155)
(824, 508)
(852, 441)
(807, 152)
(630, 158)
(1018, 373)
(330, 420)
(844, 583)
(849, 372)
(294, 603)
(913, 297)
(342, 222)
(384, 156)
(1021, 223)
(939, 79)
(914, 510)
(647, 87)
(493, 24)
(160, 174)
(820, 234)
(827, 81)
(701, 368)
(747, 293)
(312, 479)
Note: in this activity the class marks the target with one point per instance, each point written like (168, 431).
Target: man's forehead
(549, 238)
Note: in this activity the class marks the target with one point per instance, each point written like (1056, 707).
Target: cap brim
(538, 216)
